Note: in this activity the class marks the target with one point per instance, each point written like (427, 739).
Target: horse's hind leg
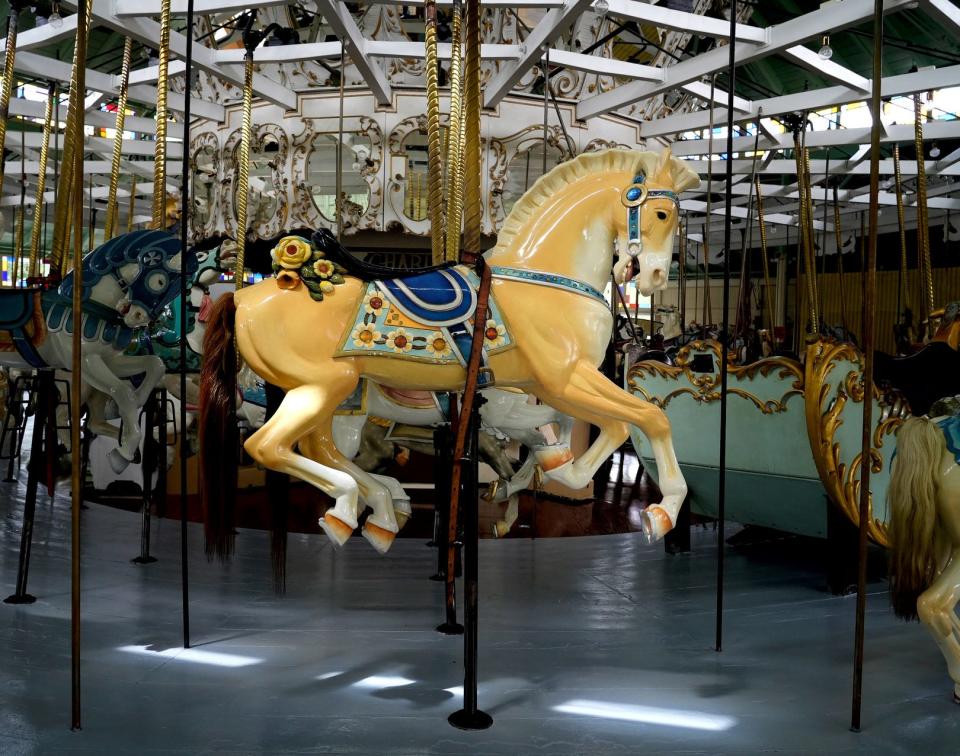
(936, 608)
(381, 527)
(299, 414)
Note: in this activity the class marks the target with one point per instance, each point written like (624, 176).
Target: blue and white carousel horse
(127, 283)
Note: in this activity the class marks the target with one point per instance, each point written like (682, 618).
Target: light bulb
(935, 151)
(56, 20)
(601, 7)
(825, 52)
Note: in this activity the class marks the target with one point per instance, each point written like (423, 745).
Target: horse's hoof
(956, 697)
(402, 517)
(539, 478)
(380, 538)
(118, 463)
(551, 458)
(500, 529)
(336, 529)
(492, 489)
(656, 523)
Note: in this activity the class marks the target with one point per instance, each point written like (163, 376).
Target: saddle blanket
(426, 318)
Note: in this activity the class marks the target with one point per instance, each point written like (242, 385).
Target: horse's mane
(662, 166)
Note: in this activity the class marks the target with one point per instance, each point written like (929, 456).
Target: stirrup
(486, 378)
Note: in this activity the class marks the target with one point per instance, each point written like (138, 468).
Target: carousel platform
(593, 645)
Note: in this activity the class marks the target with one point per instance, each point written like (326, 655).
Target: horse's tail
(219, 437)
(912, 498)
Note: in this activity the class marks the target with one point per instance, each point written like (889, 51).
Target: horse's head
(137, 274)
(647, 220)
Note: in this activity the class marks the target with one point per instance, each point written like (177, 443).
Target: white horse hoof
(118, 463)
(336, 529)
(380, 538)
(656, 523)
(402, 512)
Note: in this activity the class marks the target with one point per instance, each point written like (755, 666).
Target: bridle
(633, 198)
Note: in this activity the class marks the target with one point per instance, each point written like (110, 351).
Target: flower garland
(296, 261)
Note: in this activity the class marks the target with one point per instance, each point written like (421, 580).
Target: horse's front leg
(936, 608)
(100, 376)
(590, 396)
(150, 366)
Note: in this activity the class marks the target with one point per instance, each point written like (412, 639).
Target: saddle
(365, 271)
(22, 323)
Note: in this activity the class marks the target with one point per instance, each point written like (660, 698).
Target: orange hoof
(336, 529)
(552, 457)
(656, 523)
(380, 538)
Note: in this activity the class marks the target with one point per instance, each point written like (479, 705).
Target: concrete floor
(595, 645)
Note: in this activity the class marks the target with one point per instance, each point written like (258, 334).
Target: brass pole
(923, 228)
(811, 236)
(21, 212)
(6, 82)
(34, 268)
(838, 235)
(867, 337)
(707, 304)
(62, 225)
(767, 292)
(472, 201)
(133, 202)
(804, 227)
(111, 224)
(243, 169)
(434, 147)
(454, 162)
(160, 146)
(78, 86)
(904, 289)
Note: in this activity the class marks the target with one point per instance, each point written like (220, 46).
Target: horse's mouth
(632, 269)
(124, 308)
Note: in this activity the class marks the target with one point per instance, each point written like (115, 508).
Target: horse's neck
(195, 337)
(574, 241)
(106, 291)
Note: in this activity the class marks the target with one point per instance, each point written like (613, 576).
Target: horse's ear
(675, 172)
(175, 262)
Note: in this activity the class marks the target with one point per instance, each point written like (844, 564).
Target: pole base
(15, 598)
(450, 628)
(143, 560)
(465, 720)
(438, 578)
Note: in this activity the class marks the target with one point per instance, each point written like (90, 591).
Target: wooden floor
(588, 645)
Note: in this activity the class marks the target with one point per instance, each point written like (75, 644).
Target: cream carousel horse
(127, 282)
(924, 499)
(316, 331)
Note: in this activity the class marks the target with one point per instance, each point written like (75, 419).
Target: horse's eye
(661, 215)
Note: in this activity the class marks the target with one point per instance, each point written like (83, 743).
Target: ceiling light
(56, 20)
(825, 52)
(601, 7)
(934, 151)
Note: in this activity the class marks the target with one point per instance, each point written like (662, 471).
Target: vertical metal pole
(867, 339)
(148, 467)
(339, 176)
(78, 87)
(184, 295)
(724, 358)
(470, 717)
(41, 388)
(160, 147)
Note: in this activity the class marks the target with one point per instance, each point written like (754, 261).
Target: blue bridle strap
(633, 198)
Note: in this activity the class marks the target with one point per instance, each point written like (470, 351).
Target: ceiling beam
(702, 90)
(826, 68)
(147, 31)
(829, 18)
(131, 8)
(815, 99)
(551, 26)
(944, 12)
(41, 36)
(692, 23)
(344, 26)
(403, 49)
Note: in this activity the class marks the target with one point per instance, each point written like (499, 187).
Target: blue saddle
(439, 297)
(951, 432)
(17, 308)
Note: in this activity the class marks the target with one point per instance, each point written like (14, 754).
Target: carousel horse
(127, 282)
(924, 500)
(326, 321)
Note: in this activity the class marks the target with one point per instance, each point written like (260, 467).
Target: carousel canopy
(654, 64)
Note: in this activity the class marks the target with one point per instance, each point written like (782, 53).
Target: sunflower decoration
(296, 260)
